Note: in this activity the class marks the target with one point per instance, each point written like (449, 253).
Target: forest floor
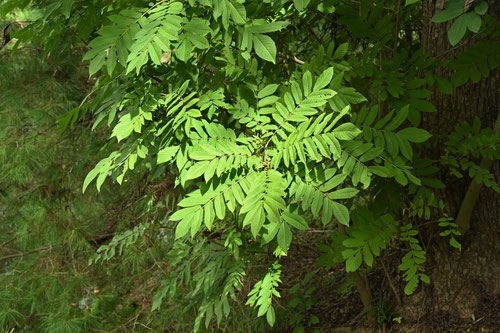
(338, 307)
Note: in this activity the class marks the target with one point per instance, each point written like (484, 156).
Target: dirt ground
(337, 305)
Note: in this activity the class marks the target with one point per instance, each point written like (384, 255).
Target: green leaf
(455, 244)
(270, 316)
(341, 51)
(343, 193)
(400, 177)
(198, 41)
(367, 255)
(424, 278)
(380, 171)
(269, 27)
(265, 47)
(198, 26)
(400, 117)
(346, 131)
(301, 4)
(88, 179)
(371, 154)
(295, 220)
(457, 30)
(353, 243)
(296, 92)
(267, 90)
(284, 236)
(341, 213)
(473, 21)
(196, 222)
(405, 147)
(269, 100)
(481, 8)
(333, 182)
(410, 2)
(307, 83)
(183, 213)
(411, 285)
(326, 8)
(414, 134)
(160, 294)
(175, 7)
(182, 228)
(209, 215)
(220, 207)
(324, 79)
(453, 9)
(66, 7)
(238, 12)
(100, 180)
(184, 50)
(257, 220)
(443, 85)
(353, 263)
(412, 178)
(96, 63)
(423, 105)
(166, 154)
(111, 62)
(197, 170)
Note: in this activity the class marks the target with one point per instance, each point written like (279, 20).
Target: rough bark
(462, 282)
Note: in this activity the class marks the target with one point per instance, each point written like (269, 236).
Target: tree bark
(462, 282)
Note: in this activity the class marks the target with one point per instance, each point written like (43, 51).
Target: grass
(46, 224)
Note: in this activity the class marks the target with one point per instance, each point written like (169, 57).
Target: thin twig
(313, 33)
(396, 33)
(22, 254)
(465, 41)
(8, 241)
(394, 290)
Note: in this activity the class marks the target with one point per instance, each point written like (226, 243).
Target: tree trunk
(465, 284)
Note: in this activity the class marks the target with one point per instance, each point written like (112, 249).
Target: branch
(298, 61)
(95, 240)
(22, 254)
(18, 21)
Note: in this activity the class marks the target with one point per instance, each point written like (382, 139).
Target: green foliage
(468, 143)
(302, 301)
(413, 261)
(366, 239)
(475, 62)
(465, 18)
(264, 120)
(212, 275)
(121, 241)
(261, 296)
(451, 231)
(384, 313)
